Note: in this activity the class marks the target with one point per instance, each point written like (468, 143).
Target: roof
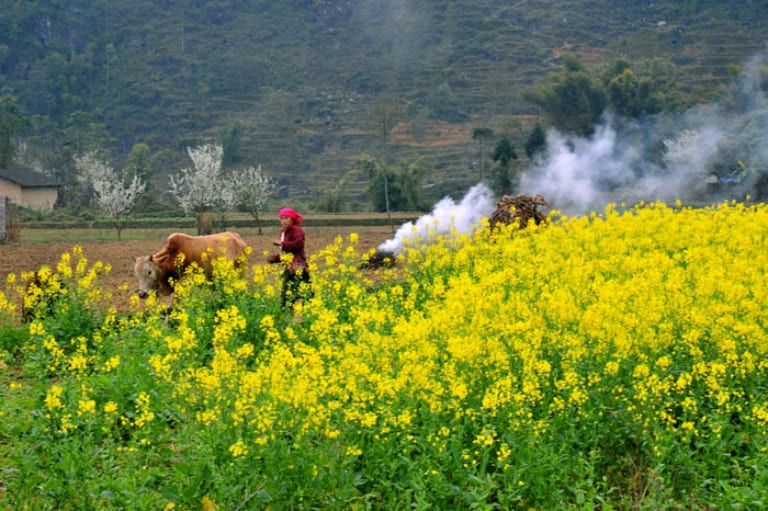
(27, 177)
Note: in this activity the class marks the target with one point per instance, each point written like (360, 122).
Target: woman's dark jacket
(292, 242)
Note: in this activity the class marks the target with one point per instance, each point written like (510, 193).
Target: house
(29, 188)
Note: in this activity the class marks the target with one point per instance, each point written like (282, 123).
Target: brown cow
(155, 271)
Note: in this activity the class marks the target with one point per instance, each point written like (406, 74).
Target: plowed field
(22, 257)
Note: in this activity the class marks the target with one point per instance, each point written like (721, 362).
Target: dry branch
(522, 207)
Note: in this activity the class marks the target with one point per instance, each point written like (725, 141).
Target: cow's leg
(167, 313)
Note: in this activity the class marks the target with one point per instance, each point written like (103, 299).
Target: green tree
(84, 133)
(394, 188)
(503, 154)
(50, 145)
(572, 98)
(537, 142)
(11, 123)
(230, 140)
(445, 103)
(644, 88)
(139, 162)
(332, 199)
(380, 182)
(409, 177)
(630, 96)
(161, 162)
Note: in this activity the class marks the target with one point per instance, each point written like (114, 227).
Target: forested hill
(303, 87)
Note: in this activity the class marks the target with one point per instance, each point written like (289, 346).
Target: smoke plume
(446, 218)
(708, 153)
(704, 155)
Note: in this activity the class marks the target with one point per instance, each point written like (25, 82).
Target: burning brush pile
(522, 207)
(378, 259)
(463, 217)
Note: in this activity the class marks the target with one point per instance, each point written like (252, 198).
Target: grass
(83, 235)
(158, 228)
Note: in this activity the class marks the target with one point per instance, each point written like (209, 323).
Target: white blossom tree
(91, 168)
(689, 155)
(252, 188)
(117, 198)
(681, 148)
(113, 193)
(206, 189)
(227, 200)
(202, 189)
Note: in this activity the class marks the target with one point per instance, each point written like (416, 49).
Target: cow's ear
(158, 260)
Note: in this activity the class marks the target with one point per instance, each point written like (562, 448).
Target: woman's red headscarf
(291, 213)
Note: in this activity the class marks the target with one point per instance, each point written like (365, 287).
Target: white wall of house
(10, 190)
(39, 198)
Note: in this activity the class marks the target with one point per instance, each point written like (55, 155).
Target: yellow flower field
(611, 361)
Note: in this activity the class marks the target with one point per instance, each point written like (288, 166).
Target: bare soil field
(121, 282)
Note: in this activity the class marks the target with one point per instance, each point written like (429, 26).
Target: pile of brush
(378, 259)
(522, 207)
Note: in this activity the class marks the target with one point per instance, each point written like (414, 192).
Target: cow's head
(147, 274)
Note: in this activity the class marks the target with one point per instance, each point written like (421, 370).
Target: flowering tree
(90, 169)
(681, 148)
(252, 187)
(690, 154)
(116, 198)
(114, 194)
(201, 189)
(205, 188)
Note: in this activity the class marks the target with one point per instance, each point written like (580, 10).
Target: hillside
(313, 84)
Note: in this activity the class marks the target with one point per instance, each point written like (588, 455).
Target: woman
(296, 274)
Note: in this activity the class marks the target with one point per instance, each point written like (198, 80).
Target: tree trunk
(204, 223)
(258, 221)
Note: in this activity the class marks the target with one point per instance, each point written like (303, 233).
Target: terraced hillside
(315, 84)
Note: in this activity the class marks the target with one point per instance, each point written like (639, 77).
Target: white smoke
(586, 173)
(447, 218)
(665, 159)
